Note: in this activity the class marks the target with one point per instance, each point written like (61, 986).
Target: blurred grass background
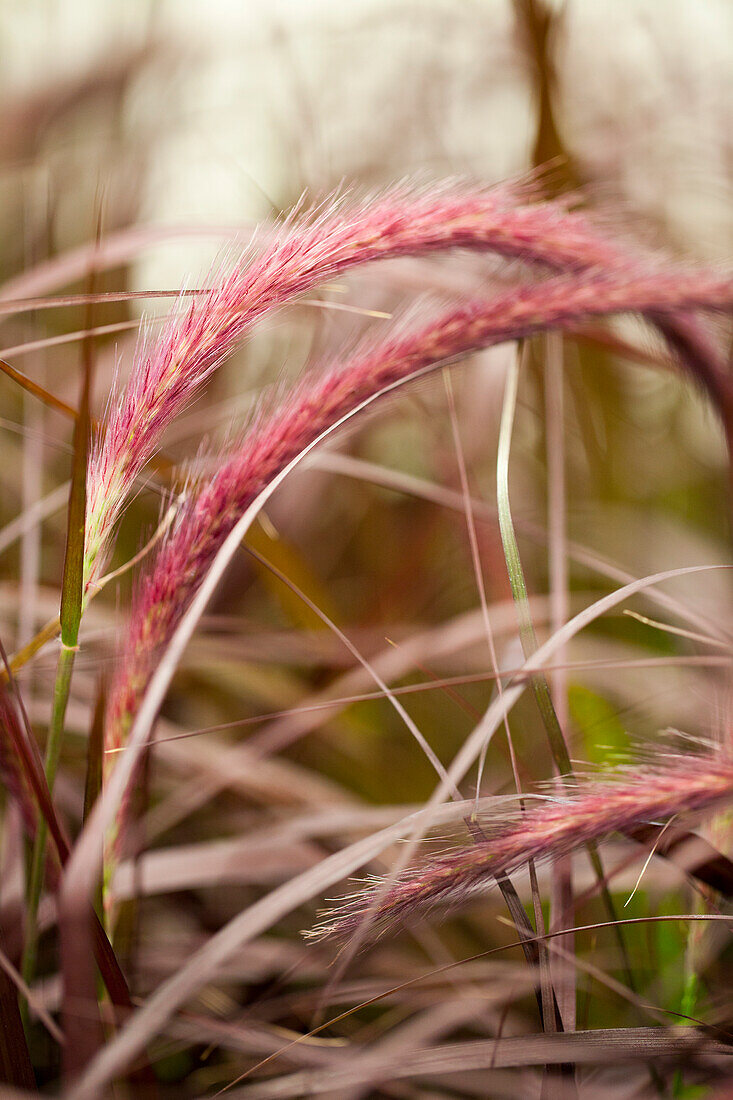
(185, 124)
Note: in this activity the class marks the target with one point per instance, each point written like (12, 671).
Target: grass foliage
(364, 704)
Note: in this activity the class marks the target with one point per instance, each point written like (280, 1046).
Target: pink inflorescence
(598, 278)
(306, 251)
(313, 407)
(636, 796)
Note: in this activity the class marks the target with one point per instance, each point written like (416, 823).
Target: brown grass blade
(15, 1060)
(36, 390)
(603, 1046)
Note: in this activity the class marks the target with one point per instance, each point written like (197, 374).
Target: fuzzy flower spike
(636, 796)
(308, 249)
(207, 517)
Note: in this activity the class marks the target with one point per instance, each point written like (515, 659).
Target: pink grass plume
(674, 786)
(340, 234)
(208, 515)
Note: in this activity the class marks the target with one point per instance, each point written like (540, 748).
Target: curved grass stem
(528, 637)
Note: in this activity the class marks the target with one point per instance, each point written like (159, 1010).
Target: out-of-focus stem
(64, 670)
(528, 637)
(561, 893)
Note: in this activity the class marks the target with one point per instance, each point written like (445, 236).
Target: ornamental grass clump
(558, 273)
(211, 511)
(314, 406)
